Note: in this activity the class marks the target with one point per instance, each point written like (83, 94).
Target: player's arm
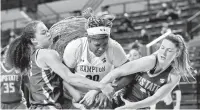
(131, 67)
(178, 99)
(74, 93)
(159, 95)
(122, 82)
(51, 59)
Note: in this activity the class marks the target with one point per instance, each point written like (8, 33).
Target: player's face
(43, 36)
(134, 54)
(167, 51)
(98, 46)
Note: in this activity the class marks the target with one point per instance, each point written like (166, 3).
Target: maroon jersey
(10, 86)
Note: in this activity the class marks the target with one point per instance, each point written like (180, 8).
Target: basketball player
(94, 55)
(30, 52)
(158, 74)
(133, 54)
(11, 93)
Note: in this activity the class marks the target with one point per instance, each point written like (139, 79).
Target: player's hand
(101, 101)
(108, 90)
(120, 92)
(78, 105)
(89, 97)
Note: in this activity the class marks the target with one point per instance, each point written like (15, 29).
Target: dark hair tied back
(26, 38)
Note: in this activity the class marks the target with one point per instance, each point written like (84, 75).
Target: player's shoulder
(47, 53)
(175, 72)
(113, 44)
(152, 57)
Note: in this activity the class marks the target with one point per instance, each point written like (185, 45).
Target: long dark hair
(20, 50)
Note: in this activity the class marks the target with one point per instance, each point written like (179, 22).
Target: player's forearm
(178, 104)
(144, 103)
(110, 77)
(127, 69)
(79, 81)
(178, 97)
(74, 93)
(76, 80)
(122, 82)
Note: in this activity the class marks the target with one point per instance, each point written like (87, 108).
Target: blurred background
(137, 23)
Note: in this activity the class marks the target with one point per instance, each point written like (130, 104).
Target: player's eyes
(170, 50)
(44, 32)
(97, 45)
(162, 47)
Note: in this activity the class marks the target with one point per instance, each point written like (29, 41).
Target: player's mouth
(162, 57)
(99, 53)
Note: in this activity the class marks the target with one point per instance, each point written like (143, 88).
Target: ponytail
(18, 54)
(20, 50)
(182, 62)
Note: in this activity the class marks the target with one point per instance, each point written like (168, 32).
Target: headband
(98, 30)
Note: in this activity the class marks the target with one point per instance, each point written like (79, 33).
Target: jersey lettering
(147, 84)
(94, 77)
(9, 87)
(9, 78)
(86, 68)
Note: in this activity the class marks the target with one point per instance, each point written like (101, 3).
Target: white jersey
(78, 56)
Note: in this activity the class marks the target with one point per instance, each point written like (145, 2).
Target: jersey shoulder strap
(5, 69)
